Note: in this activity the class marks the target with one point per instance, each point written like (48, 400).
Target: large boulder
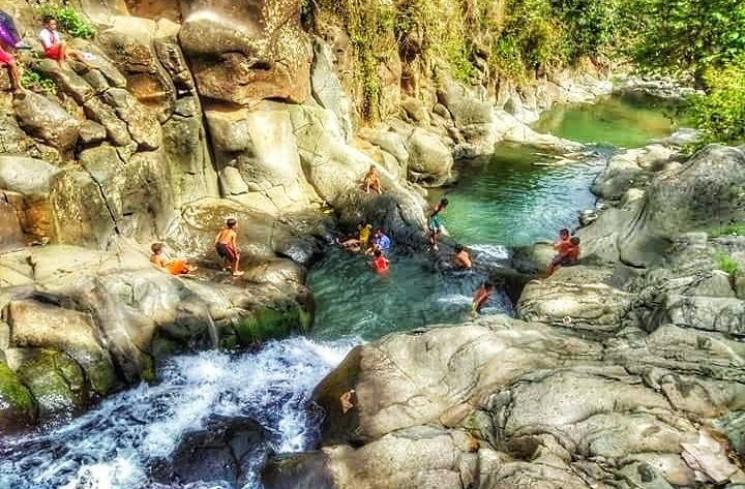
(510, 403)
(327, 89)
(257, 159)
(707, 191)
(246, 51)
(25, 175)
(430, 162)
(38, 325)
(44, 118)
(575, 297)
(472, 116)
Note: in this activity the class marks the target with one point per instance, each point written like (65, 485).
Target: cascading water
(112, 446)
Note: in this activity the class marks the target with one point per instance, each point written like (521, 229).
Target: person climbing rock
(380, 264)
(568, 255)
(54, 45)
(226, 244)
(480, 298)
(174, 267)
(347, 402)
(434, 223)
(371, 182)
(462, 259)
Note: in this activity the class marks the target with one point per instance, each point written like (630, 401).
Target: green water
(511, 198)
(623, 121)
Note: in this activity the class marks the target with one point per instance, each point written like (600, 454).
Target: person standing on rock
(434, 223)
(226, 244)
(10, 40)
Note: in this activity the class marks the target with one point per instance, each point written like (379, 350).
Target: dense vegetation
(484, 40)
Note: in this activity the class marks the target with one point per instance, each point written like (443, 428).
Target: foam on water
(111, 446)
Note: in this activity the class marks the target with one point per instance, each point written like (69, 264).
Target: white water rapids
(112, 446)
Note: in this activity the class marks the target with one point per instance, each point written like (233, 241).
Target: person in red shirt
(563, 242)
(380, 263)
(568, 255)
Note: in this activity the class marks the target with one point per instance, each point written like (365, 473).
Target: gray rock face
(25, 175)
(499, 400)
(327, 89)
(47, 120)
(709, 189)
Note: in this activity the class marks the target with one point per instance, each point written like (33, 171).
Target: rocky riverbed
(623, 371)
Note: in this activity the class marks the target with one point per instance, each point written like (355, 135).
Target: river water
(509, 199)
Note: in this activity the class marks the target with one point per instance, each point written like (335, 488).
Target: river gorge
(624, 371)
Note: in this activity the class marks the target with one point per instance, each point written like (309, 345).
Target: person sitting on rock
(380, 264)
(372, 181)
(381, 242)
(434, 223)
(174, 267)
(55, 47)
(361, 241)
(462, 259)
(567, 256)
(226, 244)
(563, 242)
(481, 297)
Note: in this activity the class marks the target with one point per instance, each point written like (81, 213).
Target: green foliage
(591, 25)
(727, 264)
(68, 19)
(38, 82)
(685, 36)
(736, 229)
(720, 113)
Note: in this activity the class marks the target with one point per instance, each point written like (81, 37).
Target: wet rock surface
(227, 451)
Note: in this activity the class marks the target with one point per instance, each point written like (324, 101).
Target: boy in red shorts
(54, 46)
(8, 61)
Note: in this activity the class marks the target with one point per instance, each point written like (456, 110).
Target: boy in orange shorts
(174, 267)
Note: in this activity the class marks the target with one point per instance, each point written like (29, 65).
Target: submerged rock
(226, 450)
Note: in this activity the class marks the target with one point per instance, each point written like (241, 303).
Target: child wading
(434, 224)
(226, 244)
(380, 263)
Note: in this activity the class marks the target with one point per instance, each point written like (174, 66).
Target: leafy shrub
(720, 113)
(38, 82)
(69, 20)
(737, 229)
(727, 264)
(591, 25)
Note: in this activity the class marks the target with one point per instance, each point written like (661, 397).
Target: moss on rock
(17, 408)
(272, 322)
(56, 382)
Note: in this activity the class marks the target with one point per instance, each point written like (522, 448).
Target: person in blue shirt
(382, 242)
